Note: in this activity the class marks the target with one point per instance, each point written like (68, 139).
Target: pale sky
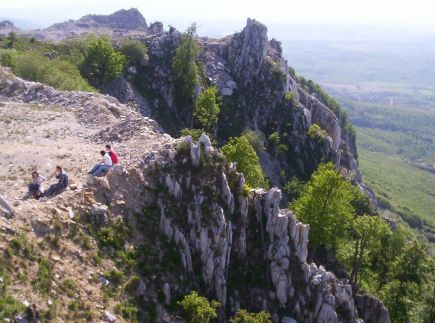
(413, 13)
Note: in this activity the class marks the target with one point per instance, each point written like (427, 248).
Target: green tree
(102, 62)
(207, 109)
(198, 309)
(239, 150)
(185, 67)
(134, 50)
(408, 274)
(325, 204)
(12, 39)
(243, 316)
(368, 231)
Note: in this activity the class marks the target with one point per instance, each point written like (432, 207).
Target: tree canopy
(239, 150)
(325, 204)
(207, 109)
(185, 66)
(102, 62)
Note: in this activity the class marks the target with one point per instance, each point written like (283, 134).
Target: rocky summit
(174, 216)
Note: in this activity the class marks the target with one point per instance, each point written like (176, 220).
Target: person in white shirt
(35, 187)
(103, 166)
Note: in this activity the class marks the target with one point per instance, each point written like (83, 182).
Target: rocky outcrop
(371, 309)
(130, 19)
(238, 248)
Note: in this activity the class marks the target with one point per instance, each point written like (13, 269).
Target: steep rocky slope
(191, 224)
(258, 93)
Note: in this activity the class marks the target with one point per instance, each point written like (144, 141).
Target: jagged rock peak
(249, 49)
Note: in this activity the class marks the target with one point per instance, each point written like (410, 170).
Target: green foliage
(58, 73)
(185, 66)
(256, 139)
(207, 109)
(44, 277)
(368, 231)
(113, 236)
(12, 39)
(274, 139)
(134, 50)
(316, 133)
(128, 310)
(290, 97)
(194, 133)
(198, 309)
(243, 316)
(102, 62)
(240, 151)
(7, 57)
(325, 204)
(294, 188)
(9, 307)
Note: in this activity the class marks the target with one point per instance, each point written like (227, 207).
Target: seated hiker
(35, 187)
(113, 155)
(103, 167)
(60, 185)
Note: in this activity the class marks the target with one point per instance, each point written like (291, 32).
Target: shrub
(7, 57)
(102, 62)
(207, 109)
(243, 316)
(290, 97)
(198, 309)
(293, 188)
(316, 133)
(255, 138)
(239, 150)
(134, 50)
(58, 73)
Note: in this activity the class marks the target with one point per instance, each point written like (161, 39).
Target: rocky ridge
(219, 234)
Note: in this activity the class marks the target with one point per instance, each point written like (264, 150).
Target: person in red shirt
(113, 155)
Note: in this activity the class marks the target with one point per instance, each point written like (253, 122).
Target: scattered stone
(109, 316)
(6, 208)
(99, 209)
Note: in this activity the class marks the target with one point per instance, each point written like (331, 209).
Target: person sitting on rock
(113, 155)
(103, 167)
(35, 187)
(60, 186)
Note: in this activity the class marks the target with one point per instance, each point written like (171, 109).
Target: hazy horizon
(418, 16)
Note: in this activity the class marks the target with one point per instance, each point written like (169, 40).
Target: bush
(57, 73)
(7, 57)
(255, 138)
(290, 97)
(198, 309)
(102, 62)
(239, 150)
(243, 316)
(134, 50)
(207, 109)
(316, 133)
(293, 188)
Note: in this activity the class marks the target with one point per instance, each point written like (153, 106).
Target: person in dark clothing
(60, 185)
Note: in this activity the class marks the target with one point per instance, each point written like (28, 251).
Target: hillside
(257, 210)
(47, 245)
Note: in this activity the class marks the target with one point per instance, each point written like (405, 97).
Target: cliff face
(238, 248)
(258, 94)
